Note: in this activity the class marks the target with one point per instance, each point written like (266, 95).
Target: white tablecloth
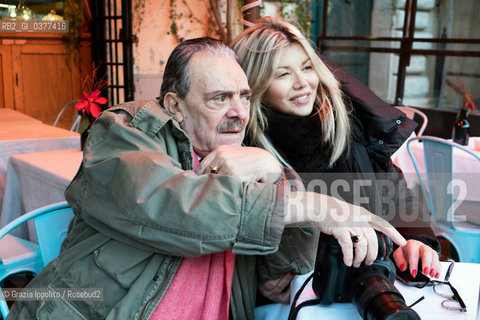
(465, 278)
(10, 116)
(466, 168)
(25, 138)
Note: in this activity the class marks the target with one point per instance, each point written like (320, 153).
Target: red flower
(90, 102)
(468, 101)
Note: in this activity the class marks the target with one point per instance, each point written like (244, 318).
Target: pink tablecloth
(37, 179)
(466, 169)
(31, 137)
(10, 116)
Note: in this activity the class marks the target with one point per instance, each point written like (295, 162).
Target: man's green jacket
(139, 209)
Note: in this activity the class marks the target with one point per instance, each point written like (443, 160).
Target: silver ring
(213, 169)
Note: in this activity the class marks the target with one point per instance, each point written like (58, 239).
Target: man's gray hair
(176, 77)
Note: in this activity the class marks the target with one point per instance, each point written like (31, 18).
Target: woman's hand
(247, 163)
(344, 221)
(410, 254)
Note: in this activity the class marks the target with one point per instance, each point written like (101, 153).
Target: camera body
(370, 288)
(332, 280)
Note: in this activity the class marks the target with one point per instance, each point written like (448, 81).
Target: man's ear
(172, 104)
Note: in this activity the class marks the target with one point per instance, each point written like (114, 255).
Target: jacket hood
(388, 128)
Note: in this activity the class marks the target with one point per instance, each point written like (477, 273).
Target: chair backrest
(51, 224)
(52, 229)
(439, 167)
(411, 112)
(76, 117)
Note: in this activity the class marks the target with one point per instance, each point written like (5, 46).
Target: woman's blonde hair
(258, 50)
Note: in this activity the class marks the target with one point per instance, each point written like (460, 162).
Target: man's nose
(238, 109)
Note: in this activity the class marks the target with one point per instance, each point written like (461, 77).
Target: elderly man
(167, 236)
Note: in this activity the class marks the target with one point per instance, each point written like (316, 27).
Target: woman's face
(293, 88)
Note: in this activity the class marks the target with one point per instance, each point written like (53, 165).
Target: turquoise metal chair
(18, 256)
(439, 187)
(76, 117)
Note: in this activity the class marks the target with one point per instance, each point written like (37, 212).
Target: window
(411, 52)
(112, 46)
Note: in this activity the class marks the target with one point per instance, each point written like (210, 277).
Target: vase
(461, 129)
(83, 137)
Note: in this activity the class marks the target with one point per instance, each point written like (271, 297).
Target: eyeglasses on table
(445, 289)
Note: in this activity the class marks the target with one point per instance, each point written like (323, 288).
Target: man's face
(216, 109)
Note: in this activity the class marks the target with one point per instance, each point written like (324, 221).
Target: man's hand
(342, 220)
(247, 163)
(410, 254)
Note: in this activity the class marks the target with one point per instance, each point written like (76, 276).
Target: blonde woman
(304, 116)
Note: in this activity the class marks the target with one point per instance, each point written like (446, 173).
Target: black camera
(370, 288)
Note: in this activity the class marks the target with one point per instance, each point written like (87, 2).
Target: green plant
(139, 13)
(73, 12)
(212, 24)
(173, 15)
(304, 15)
(283, 10)
(301, 14)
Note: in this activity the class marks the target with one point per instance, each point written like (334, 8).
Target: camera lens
(376, 298)
(389, 307)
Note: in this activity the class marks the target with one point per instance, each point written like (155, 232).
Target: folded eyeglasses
(445, 289)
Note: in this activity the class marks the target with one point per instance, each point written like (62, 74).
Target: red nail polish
(414, 273)
(432, 273)
(402, 267)
(437, 275)
(425, 271)
(292, 273)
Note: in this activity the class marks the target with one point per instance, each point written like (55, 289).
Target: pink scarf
(201, 287)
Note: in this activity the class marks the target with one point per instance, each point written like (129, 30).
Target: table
(12, 117)
(466, 168)
(463, 162)
(465, 278)
(37, 179)
(27, 137)
(34, 180)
